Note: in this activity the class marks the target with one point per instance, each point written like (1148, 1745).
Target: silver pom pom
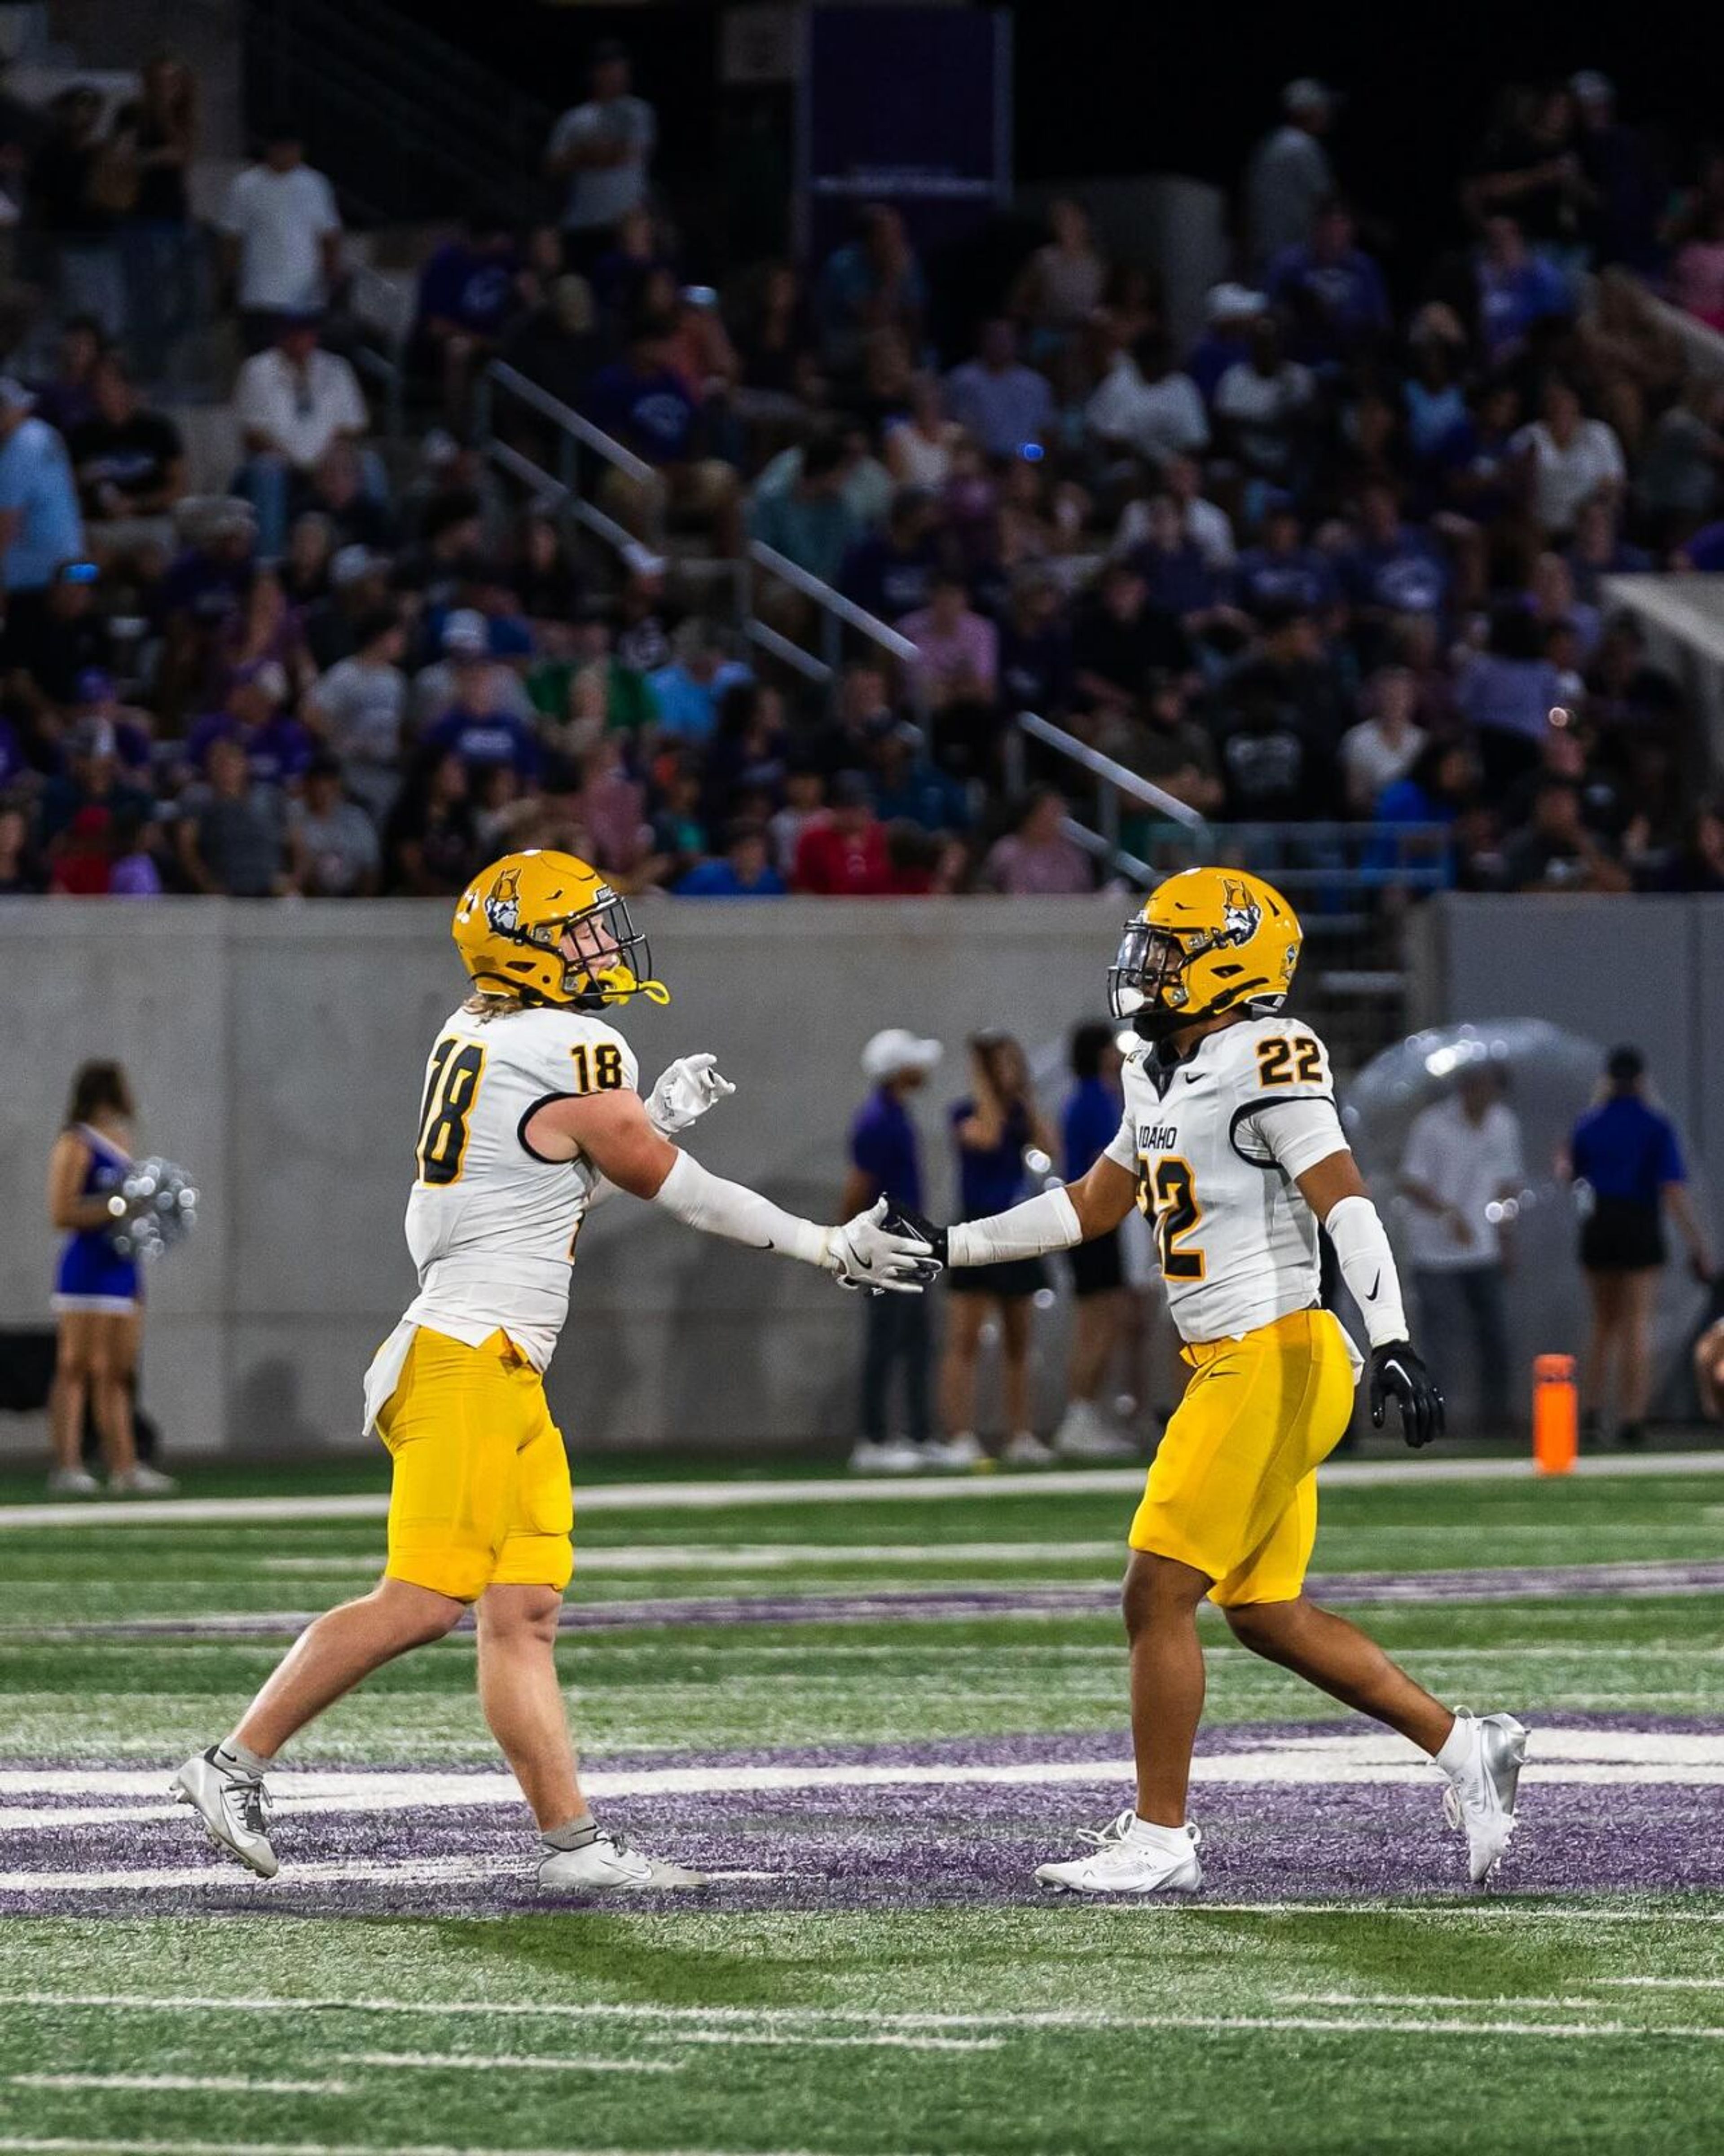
(155, 1206)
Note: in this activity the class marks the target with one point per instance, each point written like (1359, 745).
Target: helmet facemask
(1145, 983)
(610, 959)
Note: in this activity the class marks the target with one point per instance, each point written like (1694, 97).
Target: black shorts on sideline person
(1097, 1267)
(1622, 1235)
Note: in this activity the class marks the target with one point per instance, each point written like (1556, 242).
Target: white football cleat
(1084, 1435)
(964, 1450)
(1121, 1864)
(1479, 1799)
(1024, 1449)
(234, 1808)
(607, 1865)
(139, 1481)
(892, 1455)
(73, 1482)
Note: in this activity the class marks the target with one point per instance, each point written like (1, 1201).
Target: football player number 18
(451, 1084)
(1166, 1195)
(452, 1087)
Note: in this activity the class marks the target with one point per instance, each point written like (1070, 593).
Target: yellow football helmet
(511, 921)
(1208, 940)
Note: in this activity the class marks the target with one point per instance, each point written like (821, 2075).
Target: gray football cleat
(234, 1806)
(607, 1865)
(1479, 1799)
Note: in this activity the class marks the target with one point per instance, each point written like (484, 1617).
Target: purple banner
(905, 105)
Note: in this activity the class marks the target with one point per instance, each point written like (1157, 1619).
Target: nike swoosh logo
(866, 1264)
(1191, 1077)
(1376, 1284)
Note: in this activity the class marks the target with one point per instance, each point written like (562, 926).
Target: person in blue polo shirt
(1627, 1156)
(885, 1160)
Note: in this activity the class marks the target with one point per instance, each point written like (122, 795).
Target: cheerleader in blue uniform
(98, 1294)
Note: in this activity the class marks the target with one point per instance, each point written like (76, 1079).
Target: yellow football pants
(480, 1494)
(1233, 1490)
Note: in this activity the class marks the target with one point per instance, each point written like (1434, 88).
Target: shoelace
(254, 1802)
(1114, 1834)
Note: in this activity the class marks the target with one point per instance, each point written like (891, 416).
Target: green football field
(869, 1714)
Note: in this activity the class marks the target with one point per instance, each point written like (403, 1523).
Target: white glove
(866, 1254)
(685, 1090)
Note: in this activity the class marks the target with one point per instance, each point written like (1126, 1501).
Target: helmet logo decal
(1240, 914)
(502, 909)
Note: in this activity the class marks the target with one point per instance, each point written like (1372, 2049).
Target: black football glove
(905, 1220)
(1397, 1374)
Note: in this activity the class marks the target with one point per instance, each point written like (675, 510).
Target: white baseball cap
(896, 1049)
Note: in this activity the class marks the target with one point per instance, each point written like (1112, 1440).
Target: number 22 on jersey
(1166, 1193)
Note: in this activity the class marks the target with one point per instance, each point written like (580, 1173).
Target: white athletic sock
(573, 1834)
(237, 1759)
(1171, 1840)
(1457, 1749)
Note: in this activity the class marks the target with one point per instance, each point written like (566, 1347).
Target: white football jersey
(1215, 1166)
(492, 1226)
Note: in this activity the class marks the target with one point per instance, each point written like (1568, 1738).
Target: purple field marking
(966, 1844)
(1506, 1584)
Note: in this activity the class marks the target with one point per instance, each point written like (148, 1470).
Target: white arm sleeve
(707, 1202)
(1047, 1222)
(1368, 1265)
(1294, 1134)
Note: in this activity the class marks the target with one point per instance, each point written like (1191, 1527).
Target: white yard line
(722, 1495)
(440, 2061)
(82, 2144)
(148, 2084)
(1388, 2022)
(766, 1557)
(1594, 1757)
(1660, 1982)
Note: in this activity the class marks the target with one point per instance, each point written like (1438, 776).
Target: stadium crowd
(1339, 557)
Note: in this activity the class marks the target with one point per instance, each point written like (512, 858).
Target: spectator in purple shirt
(1515, 288)
(1281, 571)
(470, 724)
(995, 397)
(641, 402)
(469, 292)
(890, 571)
(1332, 292)
(1392, 567)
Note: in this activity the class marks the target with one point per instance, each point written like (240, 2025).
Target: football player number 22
(451, 1084)
(1166, 1195)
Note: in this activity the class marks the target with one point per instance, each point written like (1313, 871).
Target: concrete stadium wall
(1646, 970)
(277, 1051)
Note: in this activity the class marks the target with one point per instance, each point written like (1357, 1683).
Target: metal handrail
(499, 375)
(1030, 725)
(833, 603)
(574, 433)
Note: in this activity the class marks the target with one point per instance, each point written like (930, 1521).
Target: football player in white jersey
(530, 1108)
(1231, 1144)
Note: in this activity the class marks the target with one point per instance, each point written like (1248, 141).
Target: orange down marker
(1555, 1414)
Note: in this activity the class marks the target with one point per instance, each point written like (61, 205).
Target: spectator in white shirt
(1290, 173)
(1385, 745)
(1146, 406)
(1461, 1174)
(293, 403)
(604, 150)
(1573, 460)
(281, 237)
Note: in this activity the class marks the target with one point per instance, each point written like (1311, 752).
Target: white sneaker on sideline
(1479, 1799)
(139, 1481)
(1084, 1433)
(73, 1482)
(234, 1806)
(964, 1450)
(1024, 1449)
(1120, 1864)
(607, 1865)
(892, 1455)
